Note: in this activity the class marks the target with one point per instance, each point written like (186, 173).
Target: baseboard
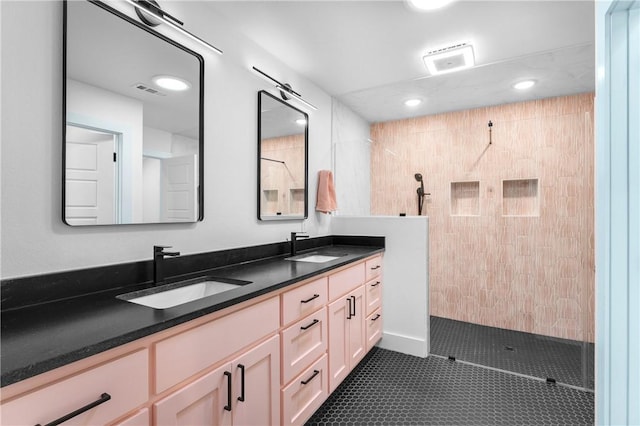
(404, 344)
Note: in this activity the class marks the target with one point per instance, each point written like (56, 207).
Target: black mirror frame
(306, 160)
(200, 187)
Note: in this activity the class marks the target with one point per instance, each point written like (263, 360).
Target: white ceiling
(368, 54)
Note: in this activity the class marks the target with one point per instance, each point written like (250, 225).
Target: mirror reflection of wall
(113, 71)
(283, 160)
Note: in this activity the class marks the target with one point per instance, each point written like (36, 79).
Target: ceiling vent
(143, 87)
(449, 59)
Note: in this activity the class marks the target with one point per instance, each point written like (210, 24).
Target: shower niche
(465, 198)
(520, 197)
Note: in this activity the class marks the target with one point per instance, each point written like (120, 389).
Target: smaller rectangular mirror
(282, 160)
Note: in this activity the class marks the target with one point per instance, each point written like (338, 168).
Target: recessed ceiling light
(429, 4)
(412, 102)
(171, 83)
(524, 85)
(301, 121)
(449, 59)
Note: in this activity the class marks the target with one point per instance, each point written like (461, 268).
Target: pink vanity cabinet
(270, 360)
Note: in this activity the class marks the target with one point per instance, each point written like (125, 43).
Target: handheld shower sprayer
(418, 177)
(420, 192)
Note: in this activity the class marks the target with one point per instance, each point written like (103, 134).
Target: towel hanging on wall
(326, 196)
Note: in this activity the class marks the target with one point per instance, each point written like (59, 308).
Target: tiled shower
(510, 207)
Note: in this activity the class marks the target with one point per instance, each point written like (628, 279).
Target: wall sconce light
(286, 92)
(147, 7)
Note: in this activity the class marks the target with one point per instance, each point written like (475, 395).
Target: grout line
(513, 373)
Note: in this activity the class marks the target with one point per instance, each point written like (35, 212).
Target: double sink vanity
(243, 336)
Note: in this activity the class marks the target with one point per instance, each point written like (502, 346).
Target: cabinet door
(199, 403)
(256, 388)
(357, 341)
(338, 335)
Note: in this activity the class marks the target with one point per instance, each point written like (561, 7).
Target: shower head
(418, 177)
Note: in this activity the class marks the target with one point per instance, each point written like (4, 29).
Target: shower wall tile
(532, 274)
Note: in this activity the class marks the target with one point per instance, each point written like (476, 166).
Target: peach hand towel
(326, 201)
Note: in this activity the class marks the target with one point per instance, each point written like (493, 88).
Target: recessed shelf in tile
(465, 198)
(520, 197)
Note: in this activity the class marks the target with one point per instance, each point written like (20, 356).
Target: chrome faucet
(158, 262)
(294, 238)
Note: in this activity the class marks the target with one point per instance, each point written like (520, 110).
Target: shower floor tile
(524, 353)
(390, 388)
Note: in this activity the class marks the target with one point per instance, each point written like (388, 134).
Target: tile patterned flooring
(566, 361)
(390, 388)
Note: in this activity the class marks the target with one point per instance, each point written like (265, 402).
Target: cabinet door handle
(313, 376)
(103, 398)
(241, 397)
(315, 296)
(228, 406)
(349, 315)
(314, 322)
(375, 267)
(375, 318)
(375, 284)
(354, 305)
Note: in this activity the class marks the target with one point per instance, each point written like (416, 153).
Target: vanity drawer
(187, 353)
(373, 267)
(374, 328)
(303, 300)
(344, 281)
(302, 343)
(306, 393)
(125, 380)
(373, 294)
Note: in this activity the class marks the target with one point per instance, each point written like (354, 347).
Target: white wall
(405, 281)
(352, 168)
(34, 238)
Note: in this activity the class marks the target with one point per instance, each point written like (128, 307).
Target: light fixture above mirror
(152, 14)
(286, 91)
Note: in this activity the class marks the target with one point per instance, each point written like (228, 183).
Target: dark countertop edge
(23, 373)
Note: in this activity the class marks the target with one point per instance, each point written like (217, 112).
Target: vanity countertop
(42, 337)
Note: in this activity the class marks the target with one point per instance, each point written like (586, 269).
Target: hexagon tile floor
(566, 361)
(390, 388)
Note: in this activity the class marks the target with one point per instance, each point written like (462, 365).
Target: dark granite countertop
(44, 336)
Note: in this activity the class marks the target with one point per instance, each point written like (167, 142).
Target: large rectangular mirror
(282, 159)
(132, 142)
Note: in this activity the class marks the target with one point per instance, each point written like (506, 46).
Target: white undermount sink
(173, 296)
(314, 258)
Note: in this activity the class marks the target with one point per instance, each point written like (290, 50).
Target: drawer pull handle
(228, 406)
(375, 318)
(349, 314)
(354, 305)
(315, 296)
(306, 327)
(103, 398)
(241, 397)
(313, 376)
(375, 267)
(375, 284)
